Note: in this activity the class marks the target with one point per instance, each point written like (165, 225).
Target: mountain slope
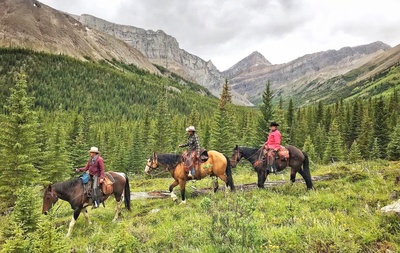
(163, 49)
(103, 90)
(30, 24)
(376, 77)
(293, 78)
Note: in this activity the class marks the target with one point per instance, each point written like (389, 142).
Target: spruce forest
(54, 108)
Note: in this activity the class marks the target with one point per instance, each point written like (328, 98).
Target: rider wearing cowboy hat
(95, 165)
(272, 145)
(194, 145)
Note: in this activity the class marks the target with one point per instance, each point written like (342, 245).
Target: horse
(73, 192)
(298, 162)
(217, 165)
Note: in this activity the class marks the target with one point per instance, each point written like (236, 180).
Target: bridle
(153, 161)
(237, 156)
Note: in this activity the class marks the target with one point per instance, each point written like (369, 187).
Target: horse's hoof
(183, 202)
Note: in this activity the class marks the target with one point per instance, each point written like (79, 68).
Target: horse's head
(236, 156)
(152, 163)
(49, 199)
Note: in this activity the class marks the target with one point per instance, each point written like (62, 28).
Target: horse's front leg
(293, 175)
(261, 178)
(182, 185)
(171, 188)
(75, 216)
(86, 215)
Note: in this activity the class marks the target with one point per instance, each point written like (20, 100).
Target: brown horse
(217, 165)
(72, 191)
(298, 162)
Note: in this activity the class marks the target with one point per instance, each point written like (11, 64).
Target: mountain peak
(253, 60)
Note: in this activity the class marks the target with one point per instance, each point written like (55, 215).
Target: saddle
(189, 160)
(106, 186)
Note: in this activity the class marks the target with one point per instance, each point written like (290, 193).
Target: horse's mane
(169, 159)
(66, 185)
(247, 151)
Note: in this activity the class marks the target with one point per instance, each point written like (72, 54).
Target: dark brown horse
(217, 165)
(72, 191)
(298, 162)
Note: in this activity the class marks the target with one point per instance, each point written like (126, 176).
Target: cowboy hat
(94, 150)
(274, 124)
(191, 128)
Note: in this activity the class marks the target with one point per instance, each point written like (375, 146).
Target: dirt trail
(202, 191)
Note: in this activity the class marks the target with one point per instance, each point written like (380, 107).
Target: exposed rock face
(163, 49)
(293, 77)
(30, 24)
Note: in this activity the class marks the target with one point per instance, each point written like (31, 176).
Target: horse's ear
(236, 147)
(154, 153)
(49, 187)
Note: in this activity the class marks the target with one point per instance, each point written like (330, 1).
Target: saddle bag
(107, 186)
(283, 153)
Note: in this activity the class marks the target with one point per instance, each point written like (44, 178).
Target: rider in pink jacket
(272, 145)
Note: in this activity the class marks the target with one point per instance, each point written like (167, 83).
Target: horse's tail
(306, 171)
(228, 172)
(127, 194)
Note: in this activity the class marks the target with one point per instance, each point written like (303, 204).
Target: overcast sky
(226, 31)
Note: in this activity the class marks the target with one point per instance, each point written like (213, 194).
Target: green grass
(342, 214)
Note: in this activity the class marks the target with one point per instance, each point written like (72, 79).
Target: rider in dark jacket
(194, 145)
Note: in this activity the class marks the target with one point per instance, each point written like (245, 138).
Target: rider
(272, 145)
(194, 146)
(95, 165)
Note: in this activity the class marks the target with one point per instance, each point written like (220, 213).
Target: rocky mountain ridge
(163, 49)
(293, 77)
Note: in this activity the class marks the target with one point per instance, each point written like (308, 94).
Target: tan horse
(217, 165)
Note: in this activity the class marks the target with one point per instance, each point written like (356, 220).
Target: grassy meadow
(342, 214)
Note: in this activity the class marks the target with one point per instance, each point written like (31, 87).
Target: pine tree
(267, 112)
(355, 123)
(226, 97)
(77, 145)
(355, 153)
(309, 148)
(18, 147)
(16, 243)
(221, 131)
(335, 146)
(380, 126)
(162, 132)
(48, 238)
(26, 209)
(319, 140)
(393, 149)
(375, 152)
(290, 122)
(56, 165)
(365, 138)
